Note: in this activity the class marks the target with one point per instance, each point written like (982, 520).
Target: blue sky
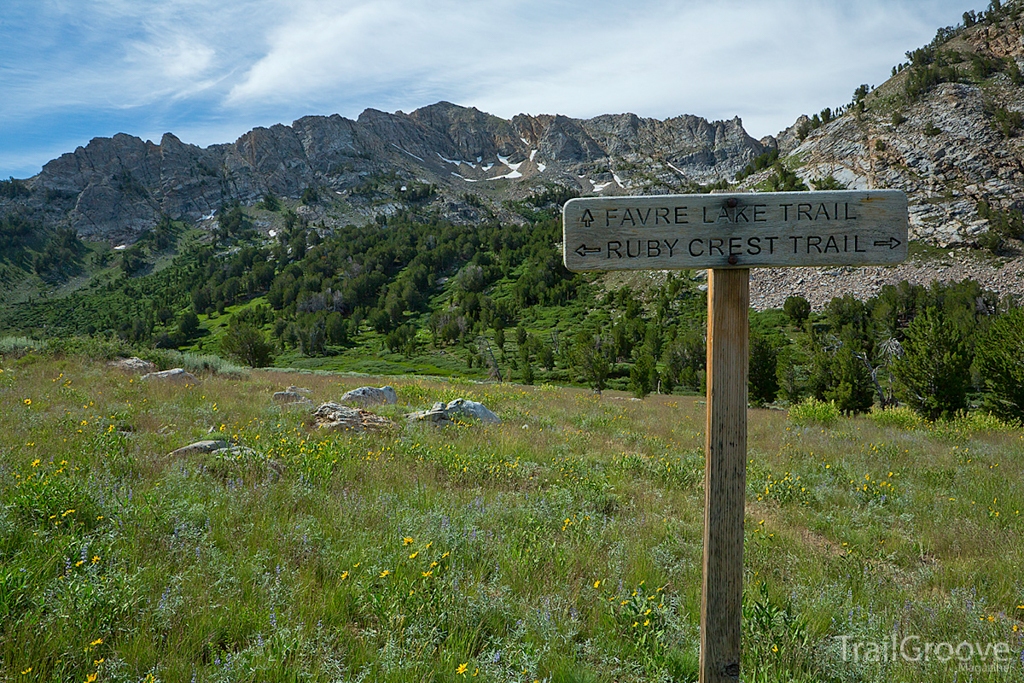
(71, 70)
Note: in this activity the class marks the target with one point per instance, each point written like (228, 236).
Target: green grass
(561, 545)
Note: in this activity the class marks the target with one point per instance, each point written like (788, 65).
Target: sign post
(729, 234)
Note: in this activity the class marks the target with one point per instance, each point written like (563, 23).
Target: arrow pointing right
(892, 243)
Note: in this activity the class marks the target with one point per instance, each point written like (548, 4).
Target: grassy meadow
(562, 545)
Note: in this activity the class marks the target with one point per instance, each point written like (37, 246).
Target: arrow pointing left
(582, 250)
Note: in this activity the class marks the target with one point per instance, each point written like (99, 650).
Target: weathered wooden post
(729, 234)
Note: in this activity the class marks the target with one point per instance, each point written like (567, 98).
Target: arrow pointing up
(892, 243)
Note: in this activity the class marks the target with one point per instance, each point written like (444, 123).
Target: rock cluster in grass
(204, 446)
(293, 397)
(335, 416)
(459, 409)
(133, 364)
(365, 397)
(233, 451)
(177, 375)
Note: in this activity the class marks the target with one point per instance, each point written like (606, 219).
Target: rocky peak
(122, 185)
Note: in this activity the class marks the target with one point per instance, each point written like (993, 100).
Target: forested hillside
(416, 293)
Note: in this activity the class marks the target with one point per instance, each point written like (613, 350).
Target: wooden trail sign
(856, 227)
(730, 234)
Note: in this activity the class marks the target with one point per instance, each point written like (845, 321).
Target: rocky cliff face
(114, 188)
(945, 149)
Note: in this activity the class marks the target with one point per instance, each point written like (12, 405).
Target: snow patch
(457, 162)
(121, 247)
(407, 152)
(599, 186)
(541, 167)
(272, 233)
(674, 168)
(533, 153)
(514, 167)
(618, 180)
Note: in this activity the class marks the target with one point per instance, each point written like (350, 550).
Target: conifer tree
(1000, 359)
(933, 374)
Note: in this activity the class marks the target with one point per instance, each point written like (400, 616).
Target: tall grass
(561, 545)
(102, 348)
(17, 346)
(811, 411)
(193, 362)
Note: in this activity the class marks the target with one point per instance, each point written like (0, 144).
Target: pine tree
(247, 344)
(763, 366)
(590, 357)
(852, 390)
(1000, 360)
(934, 373)
(643, 376)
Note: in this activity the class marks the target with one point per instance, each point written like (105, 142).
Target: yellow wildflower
(384, 574)
(413, 556)
(407, 540)
(461, 670)
(27, 401)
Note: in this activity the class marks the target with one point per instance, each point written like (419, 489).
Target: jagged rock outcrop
(945, 148)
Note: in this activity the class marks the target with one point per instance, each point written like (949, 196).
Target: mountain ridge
(115, 188)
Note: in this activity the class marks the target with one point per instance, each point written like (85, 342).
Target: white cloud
(764, 61)
(209, 68)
